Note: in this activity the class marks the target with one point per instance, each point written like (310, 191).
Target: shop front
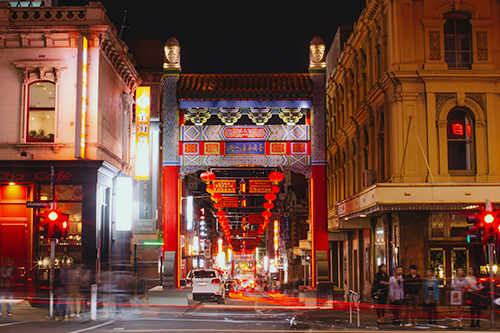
(82, 191)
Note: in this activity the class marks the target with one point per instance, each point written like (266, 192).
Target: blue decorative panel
(245, 148)
(170, 117)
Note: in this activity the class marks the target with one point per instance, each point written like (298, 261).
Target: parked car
(207, 286)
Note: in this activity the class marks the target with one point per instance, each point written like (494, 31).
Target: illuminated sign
(229, 202)
(457, 129)
(260, 186)
(224, 186)
(255, 219)
(81, 97)
(142, 112)
(469, 131)
(276, 242)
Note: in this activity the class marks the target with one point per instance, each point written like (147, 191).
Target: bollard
(93, 302)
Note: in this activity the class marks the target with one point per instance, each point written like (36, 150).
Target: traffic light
(487, 224)
(55, 224)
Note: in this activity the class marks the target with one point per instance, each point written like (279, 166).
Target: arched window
(460, 144)
(457, 44)
(41, 111)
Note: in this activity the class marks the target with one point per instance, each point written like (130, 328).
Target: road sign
(38, 204)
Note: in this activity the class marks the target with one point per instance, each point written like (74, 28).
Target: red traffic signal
(488, 218)
(55, 224)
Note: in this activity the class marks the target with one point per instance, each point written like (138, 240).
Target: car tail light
(215, 281)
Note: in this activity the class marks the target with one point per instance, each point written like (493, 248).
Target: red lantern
(268, 205)
(220, 213)
(266, 213)
(217, 205)
(207, 177)
(216, 197)
(270, 196)
(210, 188)
(222, 220)
(275, 189)
(276, 177)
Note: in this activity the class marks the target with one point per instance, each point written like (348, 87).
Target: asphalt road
(237, 315)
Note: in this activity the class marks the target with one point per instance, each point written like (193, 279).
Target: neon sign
(81, 97)
(457, 129)
(142, 112)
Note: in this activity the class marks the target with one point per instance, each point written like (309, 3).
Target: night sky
(236, 36)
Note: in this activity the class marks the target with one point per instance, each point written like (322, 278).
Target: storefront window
(41, 111)
(459, 259)
(380, 255)
(438, 262)
(68, 249)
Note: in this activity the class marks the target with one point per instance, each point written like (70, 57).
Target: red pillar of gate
(319, 217)
(171, 228)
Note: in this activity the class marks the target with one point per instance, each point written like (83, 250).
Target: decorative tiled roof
(243, 86)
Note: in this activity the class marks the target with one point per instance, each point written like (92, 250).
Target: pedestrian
(76, 281)
(413, 286)
(458, 297)
(396, 294)
(431, 295)
(381, 291)
(473, 298)
(7, 275)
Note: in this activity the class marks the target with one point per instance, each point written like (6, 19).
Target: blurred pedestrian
(77, 281)
(457, 295)
(413, 286)
(381, 292)
(396, 294)
(431, 295)
(473, 298)
(7, 276)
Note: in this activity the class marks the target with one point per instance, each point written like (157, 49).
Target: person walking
(7, 275)
(413, 285)
(458, 286)
(474, 303)
(396, 294)
(431, 295)
(381, 292)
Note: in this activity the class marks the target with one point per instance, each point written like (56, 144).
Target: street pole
(52, 264)
(52, 246)
(492, 287)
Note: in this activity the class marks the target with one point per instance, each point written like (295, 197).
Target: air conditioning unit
(368, 177)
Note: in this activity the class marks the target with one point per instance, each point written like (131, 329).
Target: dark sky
(236, 36)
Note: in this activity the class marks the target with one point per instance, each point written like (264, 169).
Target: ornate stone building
(66, 104)
(412, 100)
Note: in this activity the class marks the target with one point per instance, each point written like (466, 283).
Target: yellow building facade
(413, 146)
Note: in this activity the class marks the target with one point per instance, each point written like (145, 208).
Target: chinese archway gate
(246, 108)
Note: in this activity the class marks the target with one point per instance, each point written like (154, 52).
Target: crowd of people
(407, 293)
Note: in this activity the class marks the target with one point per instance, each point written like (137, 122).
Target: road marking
(14, 323)
(93, 327)
(208, 330)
